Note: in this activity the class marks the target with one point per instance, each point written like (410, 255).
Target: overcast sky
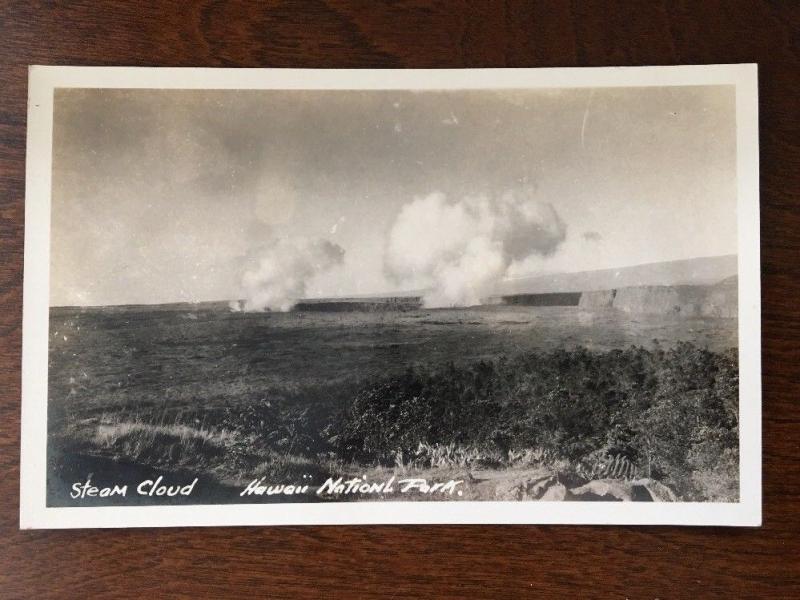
(158, 195)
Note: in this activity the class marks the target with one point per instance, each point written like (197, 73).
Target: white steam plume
(459, 250)
(276, 276)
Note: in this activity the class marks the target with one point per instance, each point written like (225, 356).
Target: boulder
(604, 490)
(524, 488)
(658, 491)
(616, 490)
(556, 487)
(555, 493)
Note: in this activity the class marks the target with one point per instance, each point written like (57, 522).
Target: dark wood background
(444, 562)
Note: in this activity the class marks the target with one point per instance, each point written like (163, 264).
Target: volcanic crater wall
(685, 300)
(594, 300)
(720, 300)
(392, 304)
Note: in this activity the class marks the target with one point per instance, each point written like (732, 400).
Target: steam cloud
(277, 275)
(459, 250)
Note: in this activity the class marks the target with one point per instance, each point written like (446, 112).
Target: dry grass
(108, 434)
(229, 456)
(161, 445)
(451, 455)
(240, 395)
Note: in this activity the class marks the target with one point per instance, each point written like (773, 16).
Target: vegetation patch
(576, 415)
(671, 413)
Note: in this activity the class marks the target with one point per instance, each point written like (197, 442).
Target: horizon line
(399, 294)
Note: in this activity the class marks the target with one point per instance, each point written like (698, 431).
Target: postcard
(280, 296)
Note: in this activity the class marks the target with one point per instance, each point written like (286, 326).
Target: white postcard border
(33, 468)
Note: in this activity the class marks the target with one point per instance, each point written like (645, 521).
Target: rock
(540, 487)
(525, 488)
(556, 487)
(614, 490)
(555, 493)
(658, 491)
(603, 490)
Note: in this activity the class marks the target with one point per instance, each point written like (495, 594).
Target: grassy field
(240, 395)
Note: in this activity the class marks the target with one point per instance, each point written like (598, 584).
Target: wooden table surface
(443, 562)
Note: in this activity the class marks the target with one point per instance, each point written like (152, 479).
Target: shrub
(673, 413)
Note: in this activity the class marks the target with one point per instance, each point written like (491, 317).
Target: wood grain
(443, 562)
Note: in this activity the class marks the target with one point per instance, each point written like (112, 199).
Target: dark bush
(658, 408)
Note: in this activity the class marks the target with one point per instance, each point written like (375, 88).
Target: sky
(165, 195)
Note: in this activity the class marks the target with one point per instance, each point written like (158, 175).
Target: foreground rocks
(613, 490)
(558, 487)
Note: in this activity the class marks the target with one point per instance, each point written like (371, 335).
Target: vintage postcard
(263, 297)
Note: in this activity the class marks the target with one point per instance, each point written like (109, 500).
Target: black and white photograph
(435, 297)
